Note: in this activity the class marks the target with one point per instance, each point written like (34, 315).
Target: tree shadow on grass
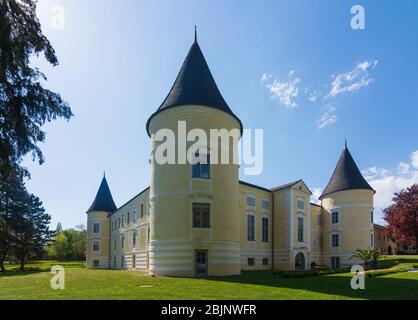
(16, 273)
(380, 288)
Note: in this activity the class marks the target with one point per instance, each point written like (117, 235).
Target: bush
(415, 266)
(379, 273)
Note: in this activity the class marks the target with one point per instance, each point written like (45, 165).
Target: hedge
(383, 272)
(312, 273)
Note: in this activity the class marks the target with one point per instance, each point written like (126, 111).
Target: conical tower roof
(103, 200)
(194, 85)
(346, 176)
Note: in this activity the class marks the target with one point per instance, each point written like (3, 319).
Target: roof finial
(195, 33)
(104, 174)
(346, 143)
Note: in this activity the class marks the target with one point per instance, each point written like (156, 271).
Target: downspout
(110, 236)
(272, 233)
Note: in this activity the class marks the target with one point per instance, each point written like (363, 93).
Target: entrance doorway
(300, 261)
(389, 250)
(201, 263)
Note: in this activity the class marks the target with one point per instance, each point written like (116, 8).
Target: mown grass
(81, 283)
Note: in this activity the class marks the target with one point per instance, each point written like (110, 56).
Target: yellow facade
(191, 225)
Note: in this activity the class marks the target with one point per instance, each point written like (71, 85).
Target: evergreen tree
(32, 230)
(25, 105)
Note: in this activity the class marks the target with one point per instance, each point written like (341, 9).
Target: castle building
(201, 220)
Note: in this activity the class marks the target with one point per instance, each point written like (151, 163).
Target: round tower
(98, 229)
(194, 224)
(348, 204)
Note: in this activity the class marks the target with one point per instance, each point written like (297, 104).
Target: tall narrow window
(123, 221)
(128, 216)
(301, 204)
(134, 215)
(201, 169)
(335, 262)
(133, 261)
(335, 240)
(372, 240)
(335, 217)
(371, 216)
(96, 245)
(122, 261)
(250, 227)
(96, 227)
(265, 229)
(319, 219)
(300, 229)
(201, 215)
(123, 242)
(134, 238)
(118, 222)
(149, 235)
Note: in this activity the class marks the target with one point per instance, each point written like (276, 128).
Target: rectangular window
(122, 261)
(128, 218)
(201, 169)
(114, 261)
(142, 210)
(118, 222)
(134, 238)
(123, 221)
(371, 217)
(201, 215)
(251, 261)
(300, 229)
(265, 204)
(265, 229)
(114, 244)
(133, 261)
(123, 242)
(319, 220)
(96, 263)
(134, 215)
(335, 240)
(265, 261)
(335, 262)
(372, 240)
(96, 227)
(149, 235)
(96, 245)
(250, 201)
(335, 217)
(301, 204)
(250, 227)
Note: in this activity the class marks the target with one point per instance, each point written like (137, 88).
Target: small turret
(97, 253)
(348, 205)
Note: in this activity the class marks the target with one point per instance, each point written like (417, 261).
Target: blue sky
(118, 60)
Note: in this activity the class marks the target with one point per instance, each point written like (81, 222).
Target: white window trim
(250, 195)
(339, 240)
(100, 227)
(203, 201)
(297, 229)
(263, 210)
(297, 205)
(339, 217)
(92, 245)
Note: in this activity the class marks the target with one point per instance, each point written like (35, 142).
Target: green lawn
(111, 284)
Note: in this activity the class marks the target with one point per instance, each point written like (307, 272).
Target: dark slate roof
(287, 185)
(103, 200)
(194, 85)
(253, 186)
(346, 176)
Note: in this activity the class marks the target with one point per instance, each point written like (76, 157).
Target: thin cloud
(265, 77)
(285, 91)
(353, 80)
(327, 118)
